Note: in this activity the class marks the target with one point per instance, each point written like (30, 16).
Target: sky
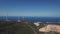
(43, 8)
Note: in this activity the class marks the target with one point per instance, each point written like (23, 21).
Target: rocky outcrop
(50, 27)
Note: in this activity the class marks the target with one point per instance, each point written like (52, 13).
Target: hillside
(14, 27)
(27, 27)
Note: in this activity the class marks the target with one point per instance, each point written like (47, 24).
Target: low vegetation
(23, 27)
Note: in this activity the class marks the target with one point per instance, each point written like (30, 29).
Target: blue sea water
(33, 19)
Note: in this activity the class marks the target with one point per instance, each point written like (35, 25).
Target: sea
(33, 19)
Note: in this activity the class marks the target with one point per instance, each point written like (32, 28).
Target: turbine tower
(7, 15)
(23, 18)
(18, 19)
(46, 27)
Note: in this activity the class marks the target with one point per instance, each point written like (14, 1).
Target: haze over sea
(33, 19)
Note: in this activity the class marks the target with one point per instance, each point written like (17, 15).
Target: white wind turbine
(7, 15)
(23, 17)
(18, 19)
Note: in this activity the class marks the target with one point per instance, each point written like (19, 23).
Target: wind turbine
(23, 17)
(18, 19)
(7, 15)
(46, 27)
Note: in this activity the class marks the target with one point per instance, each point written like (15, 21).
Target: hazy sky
(44, 8)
